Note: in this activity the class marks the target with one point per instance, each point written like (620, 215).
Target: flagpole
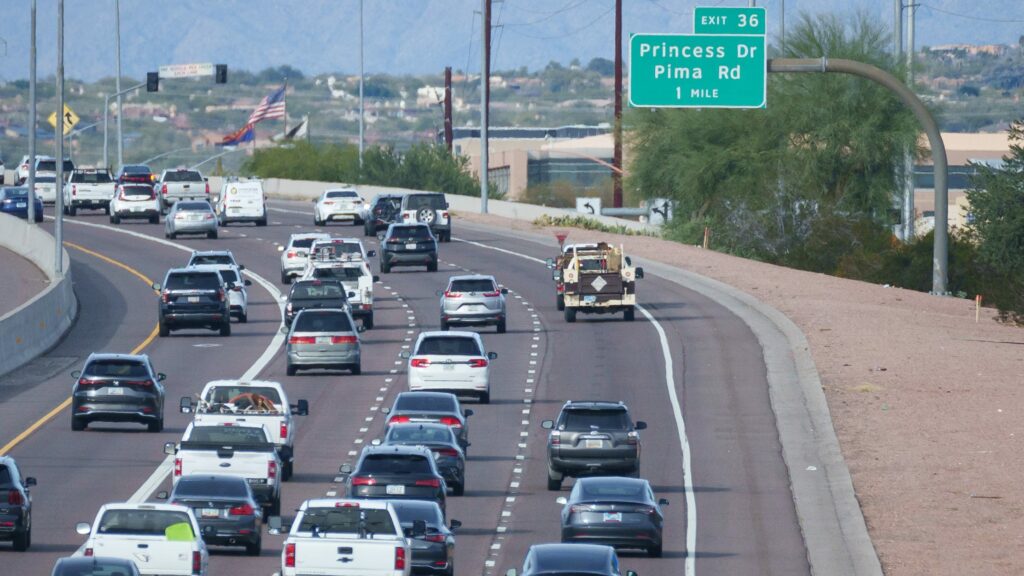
(284, 97)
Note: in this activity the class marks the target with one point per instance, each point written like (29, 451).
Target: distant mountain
(406, 36)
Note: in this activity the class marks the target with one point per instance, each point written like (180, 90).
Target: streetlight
(106, 114)
(117, 87)
(361, 145)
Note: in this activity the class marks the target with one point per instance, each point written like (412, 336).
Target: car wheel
(459, 489)
(290, 370)
(212, 235)
(570, 315)
(432, 267)
(114, 219)
(22, 541)
(72, 210)
(243, 317)
(368, 321)
(554, 484)
(157, 426)
(255, 548)
(367, 230)
(285, 279)
(107, 209)
(78, 424)
(444, 326)
(316, 221)
(172, 235)
(154, 219)
(39, 217)
(261, 222)
(357, 369)
(275, 507)
(485, 397)
(654, 551)
(629, 314)
(384, 267)
(286, 470)
(560, 302)
(164, 330)
(225, 328)
(451, 569)
(501, 327)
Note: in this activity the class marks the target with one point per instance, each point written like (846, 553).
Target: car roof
(375, 504)
(245, 383)
(116, 356)
(593, 405)
(189, 270)
(398, 450)
(77, 562)
(453, 333)
(571, 557)
(212, 253)
(471, 277)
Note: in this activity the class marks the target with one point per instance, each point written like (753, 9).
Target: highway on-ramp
(688, 367)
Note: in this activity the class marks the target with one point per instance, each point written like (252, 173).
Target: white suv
(341, 204)
(135, 201)
(453, 362)
(294, 255)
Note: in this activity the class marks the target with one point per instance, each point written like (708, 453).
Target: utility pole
(448, 136)
(117, 84)
(32, 120)
(485, 102)
(361, 109)
(617, 154)
(909, 211)
(897, 29)
(58, 137)
(782, 25)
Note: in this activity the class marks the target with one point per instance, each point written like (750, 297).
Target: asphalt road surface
(743, 522)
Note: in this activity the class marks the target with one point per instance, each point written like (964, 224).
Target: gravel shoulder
(925, 401)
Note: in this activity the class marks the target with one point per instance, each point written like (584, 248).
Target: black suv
(15, 505)
(117, 388)
(386, 209)
(314, 294)
(193, 299)
(408, 245)
(430, 208)
(395, 473)
(592, 439)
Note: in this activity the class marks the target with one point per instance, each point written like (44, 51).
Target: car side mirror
(155, 286)
(280, 248)
(562, 500)
(492, 355)
(419, 528)
(284, 330)
(662, 501)
(385, 410)
(301, 408)
(185, 405)
(371, 253)
(76, 374)
(467, 412)
(639, 273)
(345, 469)
(504, 290)
(404, 354)
(30, 482)
(547, 424)
(248, 282)
(376, 442)
(380, 237)
(170, 449)
(550, 263)
(162, 495)
(376, 278)
(83, 528)
(160, 377)
(454, 524)
(274, 525)
(360, 328)
(640, 425)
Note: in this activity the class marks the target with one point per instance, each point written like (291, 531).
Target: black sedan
(613, 510)
(15, 505)
(570, 560)
(442, 407)
(94, 566)
(226, 509)
(441, 441)
(395, 473)
(433, 549)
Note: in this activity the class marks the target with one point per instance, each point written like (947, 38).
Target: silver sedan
(190, 217)
(323, 338)
(473, 300)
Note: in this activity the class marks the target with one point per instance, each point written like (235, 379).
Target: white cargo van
(242, 201)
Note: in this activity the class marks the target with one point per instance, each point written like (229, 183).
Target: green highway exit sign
(697, 70)
(717, 20)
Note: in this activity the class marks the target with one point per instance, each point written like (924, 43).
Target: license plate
(21, 205)
(137, 208)
(590, 298)
(193, 298)
(594, 444)
(323, 339)
(411, 246)
(256, 480)
(209, 512)
(613, 516)
(115, 391)
(195, 217)
(449, 367)
(234, 208)
(396, 489)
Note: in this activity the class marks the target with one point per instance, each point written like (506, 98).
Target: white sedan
(340, 204)
(452, 361)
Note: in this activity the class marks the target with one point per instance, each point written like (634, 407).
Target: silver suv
(592, 438)
(473, 300)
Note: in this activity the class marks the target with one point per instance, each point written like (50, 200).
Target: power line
(501, 32)
(671, 11)
(973, 17)
(550, 15)
(469, 56)
(567, 34)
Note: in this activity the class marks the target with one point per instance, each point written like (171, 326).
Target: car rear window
(51, 166)
(334, 249)
(448, 346)
(14, 192)
(242, 395)
(5, 477)
(420, 201)
(343, 194)
(427, 434)
(317, 290)
(229, 276)
(141, 522)
(211, 259)
(302, 242)
(583, 420)
(221, 487)
(116, 369)
(130, 169)
(228, 435)
(416, 402)
(323, 322)
(629, 491)
(394, 464)
(46, 179)
(137, 190)
(346, 520)
(194, 207)
(338, 272)
(412, 232)
(91, 177)
(183, 176)
(472, 286)
(193, 281)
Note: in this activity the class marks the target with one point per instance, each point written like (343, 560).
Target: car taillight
(197, 562)
(301, 340)
(432, 482)
(453, 294)
(139, 383)
(284, 430)
(556, 438)
(88, 551)
(451, 421)
(271, 470)
(363, 481)
(398, 420)
(291, 254)
(14, 498)
(492, 294)
(447, 452)
(632, 438)
(419, 362)
(74, 190)
(399, 558)
(243, 510)
(165, 296)
(163, 189)
(221, 295)
(444, 214)
(343, 340)
(207, 188)
(576, 508)
(434, 537)
(177, 466)
(88, 382)
(650, 511)
(478, 363)
(208, 216)
(328, 203)
(289, 555)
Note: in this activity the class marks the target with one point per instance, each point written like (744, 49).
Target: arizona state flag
(246, 134)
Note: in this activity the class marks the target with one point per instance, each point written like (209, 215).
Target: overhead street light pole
(58, 137)
(106, 115)
(32, 119)
(117, 85)
(485, 80)
(361, 108)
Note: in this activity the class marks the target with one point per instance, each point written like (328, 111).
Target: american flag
(270, 107)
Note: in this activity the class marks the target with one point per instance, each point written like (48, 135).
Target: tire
(384, 267)
(225, 328)
(22, 541)
(243, 318)
(560, 302)
(261, 222)
(501, 327)
(285, 279)
(164, 330)
(554, 484)
(212, 235)
(629, 314)
(654, 551)
(114, 219)
(39, 217)
(570, 315)
(317, 221)
(444, 326)
(357, 369)
(432, 267)
(78, 424)
(367, 230)
(287, 469)
(172, 235)
(275, 507)
(107, 209)
(154, 219)
(157, 426)
(485, 397)
(255, 548)
(368, 321)
(290, 370)
(459, 489)
(72, 210)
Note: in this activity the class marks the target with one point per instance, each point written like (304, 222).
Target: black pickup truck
(314, 294)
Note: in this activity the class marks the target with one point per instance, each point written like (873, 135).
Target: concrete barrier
(37, 325)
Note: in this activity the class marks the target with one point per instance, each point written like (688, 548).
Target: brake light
(87, 382)
(556, 438)
(221, 294)
(577, 508)
(434, 537)
(453, 294)
(271, 470)
(141, 383)
(343, 340)
(432, 482)
(88, 551)
(163, 189)
(301, 340)
(74, 190)
(165, 296)
(419, 362)
(478, 363)
(291, 254)
(447, 452)
(328, 203)
(451, 421)
(284, 430)
(444, 214)
(363, 481)
(197, 562)
(243, 510)
(177, 466)
(346, 504)
(399, 558)
(207, 188)
(289, 555)
(14, 498)
(492, 294)
(398, 420)
(208, 216)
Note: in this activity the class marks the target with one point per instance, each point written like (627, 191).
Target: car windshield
(424, 434)
(228, 435)
(394, 464)
(183, 176)
(208, 487)
(346, 519)
(414, 402)
(429, 201)
(612, 490)
(145, 523)
(87, 566)
(338, 272)
(448, 346)
(211, 259)
(193, 207)
(91, 177)
(229, 276)
(131, 169)
(243, 395)
(193, 281)
(137, 190)
(116, 369)
(317, 290)
(315, 321)
(471, 286)
(584, 420)
(343, 194)
(410, 232)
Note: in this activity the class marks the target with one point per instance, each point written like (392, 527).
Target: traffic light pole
(106, 115)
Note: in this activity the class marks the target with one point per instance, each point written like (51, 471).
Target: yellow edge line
(67, 401)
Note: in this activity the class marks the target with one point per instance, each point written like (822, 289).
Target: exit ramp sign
(724, 65)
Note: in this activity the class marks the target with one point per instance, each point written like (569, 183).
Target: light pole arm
(106, 114)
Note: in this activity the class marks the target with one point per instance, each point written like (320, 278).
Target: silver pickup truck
(181, 184)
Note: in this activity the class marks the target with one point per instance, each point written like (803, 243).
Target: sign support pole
(58, 136)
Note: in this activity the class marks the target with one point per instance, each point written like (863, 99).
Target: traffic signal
(221, 75)
(152, 81)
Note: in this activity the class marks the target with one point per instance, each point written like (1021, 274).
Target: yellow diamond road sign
(70, 119)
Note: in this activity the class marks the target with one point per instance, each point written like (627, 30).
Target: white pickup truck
(251, 403)
(241, 451)
(158, 538)
(332, 537)
(351, 269)
(88, 189)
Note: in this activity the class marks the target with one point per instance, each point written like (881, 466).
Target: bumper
(358, 310)
(410, 258)
(489, 317)
(439, 384)
(323, 359)
(12, 523)
(84, 203)
(618, 536)
(193, 227)
(196, 319)
(593, 466)
(343, 216)
(432, 559)
(227, 218)
(148, 213)
(106, 412)
(230, 532)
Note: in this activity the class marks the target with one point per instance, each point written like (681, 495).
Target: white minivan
(242, 201)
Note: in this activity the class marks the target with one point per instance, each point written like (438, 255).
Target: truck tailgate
(151, 554)
(327, 556)
(272, 422)
(249, 465)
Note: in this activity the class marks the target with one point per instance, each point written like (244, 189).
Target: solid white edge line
(684, 443)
